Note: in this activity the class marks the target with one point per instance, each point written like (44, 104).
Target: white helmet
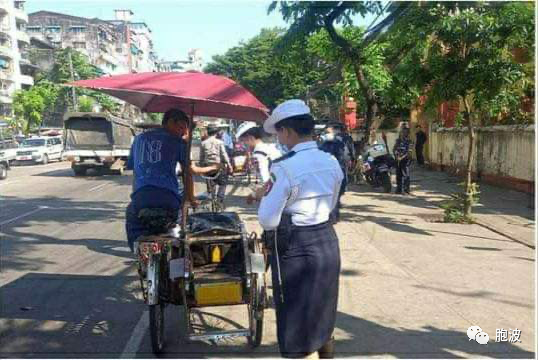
(244, 127)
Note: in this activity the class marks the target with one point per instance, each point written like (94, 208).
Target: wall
(505, 155)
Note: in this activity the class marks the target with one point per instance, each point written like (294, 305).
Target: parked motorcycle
(377, 165)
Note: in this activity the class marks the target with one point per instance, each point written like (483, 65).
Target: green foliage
(29, 105)
(274, 77)
(61, 73)
(308, 17)
(454, 208)
(469, 55)
(155, 118)
(85, 104)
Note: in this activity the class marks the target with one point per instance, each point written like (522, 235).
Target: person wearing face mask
(250, 135)
(294, 212)
(332, 143)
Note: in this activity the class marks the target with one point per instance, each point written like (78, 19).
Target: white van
(40, 150)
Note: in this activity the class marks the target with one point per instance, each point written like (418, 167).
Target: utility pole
(73, 92)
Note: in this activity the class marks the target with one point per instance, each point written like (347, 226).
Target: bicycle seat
(157, 220)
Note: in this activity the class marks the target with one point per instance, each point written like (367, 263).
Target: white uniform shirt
(271, 152)
(305, 185)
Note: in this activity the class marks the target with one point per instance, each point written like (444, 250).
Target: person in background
(401, 150)
(332, 143)
(263, 153)
(228, 144)
(213, 152)
(421, 139)
(305, 263)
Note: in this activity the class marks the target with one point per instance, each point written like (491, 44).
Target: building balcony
(6, 52)
(5, 29)
(22, 36)
(20, 14)
(4, 6)
(26, 80)
(5, 99)
(6, 75)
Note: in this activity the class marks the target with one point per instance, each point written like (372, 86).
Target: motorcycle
(377, 165)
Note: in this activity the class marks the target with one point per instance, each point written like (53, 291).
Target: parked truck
(97, 141)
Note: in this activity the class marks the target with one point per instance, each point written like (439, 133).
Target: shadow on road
(65, 316)
(21, 238)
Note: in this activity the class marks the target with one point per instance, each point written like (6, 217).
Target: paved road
(409, 287)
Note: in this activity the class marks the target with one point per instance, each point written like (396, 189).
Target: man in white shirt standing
(263, 153)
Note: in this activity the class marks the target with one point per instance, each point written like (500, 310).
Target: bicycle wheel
(156, 310)
(156, 327)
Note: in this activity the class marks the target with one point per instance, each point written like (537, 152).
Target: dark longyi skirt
(310, 269)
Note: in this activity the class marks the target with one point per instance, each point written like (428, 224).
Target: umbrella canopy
(193, 92)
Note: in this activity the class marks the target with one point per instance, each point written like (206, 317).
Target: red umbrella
(193, 92)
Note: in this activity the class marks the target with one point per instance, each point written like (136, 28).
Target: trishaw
(208, 259)
(215, 262)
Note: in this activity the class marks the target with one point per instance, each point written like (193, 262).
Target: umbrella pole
(187, 172)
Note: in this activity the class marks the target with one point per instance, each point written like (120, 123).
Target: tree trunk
(372, 121)
(468, 204)
(354, 57)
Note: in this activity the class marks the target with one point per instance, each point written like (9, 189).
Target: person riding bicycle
(263, 153)
(213, 152)
(153, 158)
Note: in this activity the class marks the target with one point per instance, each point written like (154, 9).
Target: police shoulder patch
(269, 184)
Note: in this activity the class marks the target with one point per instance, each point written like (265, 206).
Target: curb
(503, 233)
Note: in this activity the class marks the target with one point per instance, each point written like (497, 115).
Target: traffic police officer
(401, 150)
(250, 134)
(299, 197)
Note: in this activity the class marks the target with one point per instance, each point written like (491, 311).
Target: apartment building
(15, 68)
(116, 46)
(194, 62)
(99, 40)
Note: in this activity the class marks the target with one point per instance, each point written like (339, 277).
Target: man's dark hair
(303, 125)
(256, 132)
(212, 131)
(174, 115)
(335, 125)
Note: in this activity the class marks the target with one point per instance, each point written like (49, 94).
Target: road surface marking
(97, 187)
(133, 345)
(21, 216)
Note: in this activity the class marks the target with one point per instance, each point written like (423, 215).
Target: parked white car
(8, 149)
(40, 150)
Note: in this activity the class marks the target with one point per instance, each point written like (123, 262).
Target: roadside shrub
(454, 208)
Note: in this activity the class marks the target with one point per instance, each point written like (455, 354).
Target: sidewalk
(503, 211)
(410, 286)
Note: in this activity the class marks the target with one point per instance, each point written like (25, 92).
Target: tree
(30, 105)
(469, 58)
(274, 77)
(71, 65)
(309, 17)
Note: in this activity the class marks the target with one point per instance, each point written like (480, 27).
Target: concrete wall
(505, 155)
